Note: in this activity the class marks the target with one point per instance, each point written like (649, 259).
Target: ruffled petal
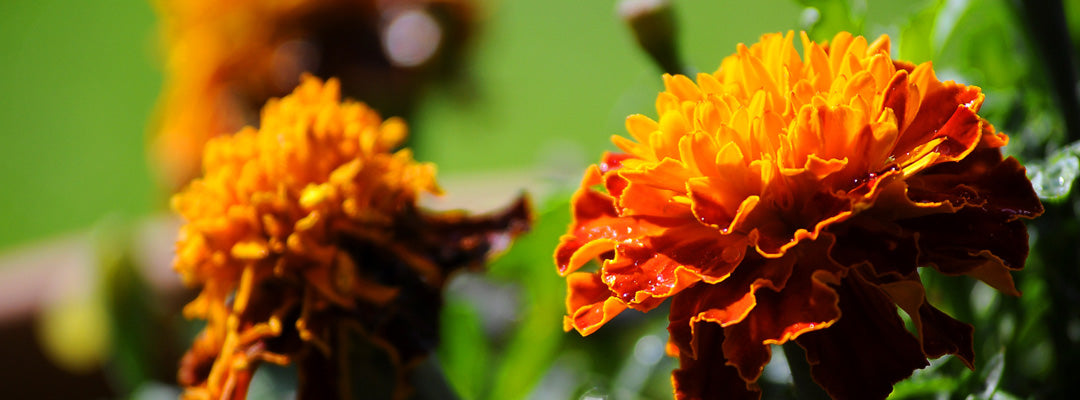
(982, 180)
(972, 242)
(597, 226)
(868, 350)
(642, 274)
(706, 376)
(589, 302)
(727, 302)
(806, 303)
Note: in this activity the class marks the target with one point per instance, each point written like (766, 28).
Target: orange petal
(589, 303)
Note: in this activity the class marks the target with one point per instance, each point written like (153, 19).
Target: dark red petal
(942, 334)
(707, 376)
(727, 302)
(982, 179)
(868, 350)
(898, 97)
(883, 246)
(939, 333)
(972, 242)
(785, 222)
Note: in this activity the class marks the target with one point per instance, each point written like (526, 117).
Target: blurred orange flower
(224, 59)
(793, 198)
(307, 226)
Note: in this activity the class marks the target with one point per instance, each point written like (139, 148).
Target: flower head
(308, 223)
(793, 198)
(226, 58)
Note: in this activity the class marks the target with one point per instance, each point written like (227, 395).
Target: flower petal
(706, 376)
(642, 274)
(727, 302)
(972, 242)
(589, 303)
(868, 350)
(806, 303)
(982, 180)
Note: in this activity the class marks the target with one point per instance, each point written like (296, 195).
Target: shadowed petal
(868, 350)
(706, 376)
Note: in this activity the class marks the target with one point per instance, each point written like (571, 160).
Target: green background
(548, 83)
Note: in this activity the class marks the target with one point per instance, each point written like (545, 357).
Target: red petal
(945, 110)
(939, 333)
(884, 246)
(972, 242)
(643, 274)
(596, 227)
(707, 376)
(942, 334)
(807, 303)
(589, 303)
(982, 179)
(727, 302)
(867, 350)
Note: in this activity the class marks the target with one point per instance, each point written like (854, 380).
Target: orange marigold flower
(224, 59)
(793, 198)
(307, 225)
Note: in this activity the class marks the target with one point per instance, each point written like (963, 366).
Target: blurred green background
(78, 83)
(549, 83)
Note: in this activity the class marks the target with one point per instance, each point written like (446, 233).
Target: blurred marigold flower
(792, 198)
(224, 59)
(309, 225)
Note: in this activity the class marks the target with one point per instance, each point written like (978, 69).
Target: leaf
(923, 388)
(534, 345)
(1053, 178)
(464, 353)
(991, 377)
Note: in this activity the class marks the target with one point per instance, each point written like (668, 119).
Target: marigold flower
(793, 198)
(224, 59)
(308, 224)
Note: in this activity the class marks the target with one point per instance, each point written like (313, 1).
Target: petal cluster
(311, 220)
(787, 197)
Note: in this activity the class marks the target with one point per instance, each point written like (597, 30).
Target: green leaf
(991, 378)
(464, 351)
(534, 345)
(1053, 178)
(923, 388)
